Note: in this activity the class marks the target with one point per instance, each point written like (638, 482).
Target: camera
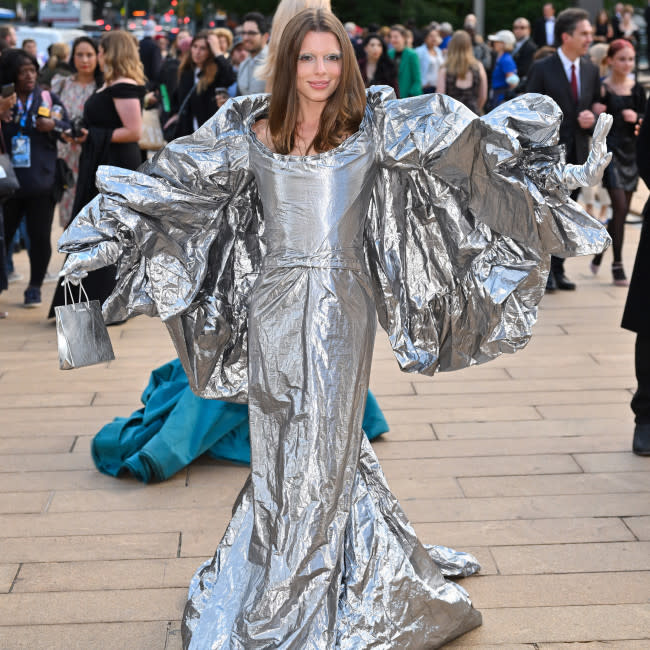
(76, 124)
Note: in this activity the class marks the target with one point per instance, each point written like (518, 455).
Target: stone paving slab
(504, 486)
(573, 558)
(7, 575)
(89, 547)
(553, 624)
(506, 532)
(104, 606)
(558, 589)
(96, 575)
(534, 428)
(524, 462)
(131, 636)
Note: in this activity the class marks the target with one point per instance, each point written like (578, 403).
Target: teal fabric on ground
(175, 426)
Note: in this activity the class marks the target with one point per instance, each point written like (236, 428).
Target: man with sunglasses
(255, 35)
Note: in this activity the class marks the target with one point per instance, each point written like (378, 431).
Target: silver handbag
(81, 333)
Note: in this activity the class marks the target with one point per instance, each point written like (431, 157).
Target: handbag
(170, 132)
(81, 334)
(63, 179)
(152, 134)
(8, 179)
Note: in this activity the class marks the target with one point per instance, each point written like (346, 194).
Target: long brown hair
(344, 109)
(209, 69)
(460, 56)
(121, 57)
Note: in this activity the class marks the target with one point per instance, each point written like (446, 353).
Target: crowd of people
(93, 94)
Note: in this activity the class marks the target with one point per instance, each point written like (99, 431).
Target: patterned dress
(73, 95)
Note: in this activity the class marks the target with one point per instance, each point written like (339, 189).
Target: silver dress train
(269, 271)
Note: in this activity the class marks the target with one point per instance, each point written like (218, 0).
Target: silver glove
(591, 173)
(78, 265)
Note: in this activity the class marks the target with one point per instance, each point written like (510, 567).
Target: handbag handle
(67, 288)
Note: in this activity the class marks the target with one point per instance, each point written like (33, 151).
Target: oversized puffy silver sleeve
(465, 215)
(184, 231)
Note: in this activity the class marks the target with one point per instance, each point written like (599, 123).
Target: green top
(408, 75)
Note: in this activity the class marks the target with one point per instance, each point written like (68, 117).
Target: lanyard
(24, 112)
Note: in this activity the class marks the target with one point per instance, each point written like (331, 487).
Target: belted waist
(347, 258)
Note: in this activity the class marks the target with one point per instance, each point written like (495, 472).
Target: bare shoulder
(124, 80)
(261, 131)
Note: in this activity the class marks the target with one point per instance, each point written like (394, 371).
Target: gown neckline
(256, 115)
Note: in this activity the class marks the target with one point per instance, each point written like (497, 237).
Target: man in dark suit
(636, 316)
(525, 47)
(573, 82)
(544, 29)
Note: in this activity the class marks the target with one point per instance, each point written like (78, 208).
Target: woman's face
(26, 78)
(433, 39)
(397, 40)
(85, 58)
(373, 49)
(498, 46)
(223, 43)
(319, 66)
(623, 61)
(199, 51)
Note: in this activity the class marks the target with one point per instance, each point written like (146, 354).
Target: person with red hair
(625, 100)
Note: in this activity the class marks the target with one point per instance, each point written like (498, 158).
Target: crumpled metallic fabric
(591, 172)
(269, 271)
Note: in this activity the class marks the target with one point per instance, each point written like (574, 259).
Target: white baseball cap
(504, 36)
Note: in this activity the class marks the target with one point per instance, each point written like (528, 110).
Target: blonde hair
(460, 56)
(58, 52)
(226, 33)
(285, 11)
(121, 57)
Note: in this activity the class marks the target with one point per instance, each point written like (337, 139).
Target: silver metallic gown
(269, 271)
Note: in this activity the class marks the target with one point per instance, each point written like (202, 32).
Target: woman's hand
(6, 104)
(66, 136)
(598, 108)
(45, 124)
(630, 116)
(150, 99)
(213, 42)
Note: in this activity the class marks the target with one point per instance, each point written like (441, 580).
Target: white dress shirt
(549, 25)
(567, 63)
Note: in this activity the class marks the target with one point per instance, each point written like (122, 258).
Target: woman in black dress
(624, 99)
(203, 69)
(112, 127)
(376, 66)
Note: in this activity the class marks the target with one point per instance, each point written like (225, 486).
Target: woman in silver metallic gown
(267, 242)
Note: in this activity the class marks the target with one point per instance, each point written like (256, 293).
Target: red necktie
(574, 83)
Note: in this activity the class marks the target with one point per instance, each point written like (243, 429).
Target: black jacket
(548, 77)
(37, 179)
(151, 61)
(539, 32)
(636, 316)
(201, 106)
(524, 57)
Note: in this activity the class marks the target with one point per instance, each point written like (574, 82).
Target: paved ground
(525, 461)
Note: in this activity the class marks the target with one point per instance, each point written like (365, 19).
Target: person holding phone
(37, 120)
